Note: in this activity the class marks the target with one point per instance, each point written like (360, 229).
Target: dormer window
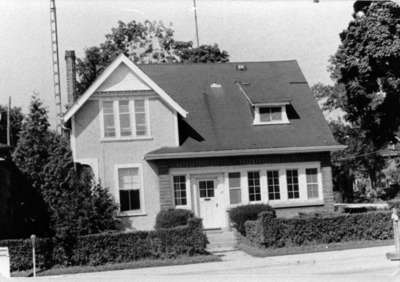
(270, 114)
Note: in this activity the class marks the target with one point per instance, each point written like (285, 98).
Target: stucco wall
(88, 145)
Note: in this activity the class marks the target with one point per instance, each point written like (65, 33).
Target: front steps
(221, 241)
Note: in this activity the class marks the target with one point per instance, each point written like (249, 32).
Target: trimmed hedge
(239, 215)
(172, 218)
(279, 232)
(99, 249)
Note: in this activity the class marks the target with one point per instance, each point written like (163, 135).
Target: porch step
(221, 241)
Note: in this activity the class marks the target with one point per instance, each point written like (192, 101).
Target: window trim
(142, 210)
(188, 190)
(235, 188)
(279, 185)
(117, 124)
(260, 186)
(299, 183)
(257, 108)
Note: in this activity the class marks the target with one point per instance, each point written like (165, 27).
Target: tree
(367, 64)
(75, 205)
(31, 153)
(148, 42)
(16, 117)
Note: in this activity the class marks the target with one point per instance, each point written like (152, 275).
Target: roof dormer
(270, 113)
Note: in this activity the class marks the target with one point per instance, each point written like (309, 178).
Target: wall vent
(241, 67)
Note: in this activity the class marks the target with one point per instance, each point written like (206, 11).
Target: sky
(250, 30)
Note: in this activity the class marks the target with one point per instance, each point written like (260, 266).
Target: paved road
(350, 265)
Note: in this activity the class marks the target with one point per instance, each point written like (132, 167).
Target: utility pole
(195, 21)
(8, 122)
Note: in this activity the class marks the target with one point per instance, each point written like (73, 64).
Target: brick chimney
(71, 75)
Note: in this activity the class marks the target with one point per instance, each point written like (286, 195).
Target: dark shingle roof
(224, 118)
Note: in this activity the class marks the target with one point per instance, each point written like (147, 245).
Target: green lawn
(245, 246)
(120, 266)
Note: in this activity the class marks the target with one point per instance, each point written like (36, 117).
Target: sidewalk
(367, 264)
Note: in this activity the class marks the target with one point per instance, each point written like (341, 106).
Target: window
(180, 190)
(108, 116)
(125, 118)
(312, 182)
(206, 188)
(129, 184)
(140, 117)
(234, 188)
(273, 185)
(253, 178)
(292, 179)
(268, 114)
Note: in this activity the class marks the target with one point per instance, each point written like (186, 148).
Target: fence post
(396, 236)
(33, 238)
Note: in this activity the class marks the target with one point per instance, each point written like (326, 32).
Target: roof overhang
(107, 72)
(243, 152)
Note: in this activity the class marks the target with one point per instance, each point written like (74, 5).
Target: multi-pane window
(108, 117)
(235, 193)
(140, 117)
(312, 182)
(180, 190)
(206, 188)
(129, 188)
(268, 114)
(253, 178)
(125, 118)
(292, 179)
(273, 185)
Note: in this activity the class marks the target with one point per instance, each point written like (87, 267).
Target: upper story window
(270, 114)
(125, 118)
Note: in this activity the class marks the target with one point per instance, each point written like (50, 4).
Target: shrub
(97, 249)
(172, 218)
(279, 232)
(239, 215)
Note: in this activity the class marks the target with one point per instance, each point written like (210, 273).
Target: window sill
(271, 122)
(295, 203)
(126, 139)
(131, 213)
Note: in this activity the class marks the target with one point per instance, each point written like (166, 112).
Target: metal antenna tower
(56, 65)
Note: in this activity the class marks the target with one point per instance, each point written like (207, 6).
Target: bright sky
(250, 30)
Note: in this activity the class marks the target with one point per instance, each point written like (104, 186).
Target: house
(204, 137)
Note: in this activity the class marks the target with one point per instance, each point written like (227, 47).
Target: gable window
(273, 185)
(180, 190)
(125, 118)
(312, 182)
(140, 115)
(129, 185)
(253, 178)
(270, 114)
(235, 193)
(292, 178)
(108, 117)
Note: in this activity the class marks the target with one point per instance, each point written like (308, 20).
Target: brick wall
(166, 189)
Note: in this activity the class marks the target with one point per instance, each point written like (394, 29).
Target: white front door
(211, 206)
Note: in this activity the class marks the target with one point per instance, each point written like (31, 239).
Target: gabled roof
(220, 120)
(122, 59)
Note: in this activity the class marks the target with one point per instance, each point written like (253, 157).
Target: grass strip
(182, 260)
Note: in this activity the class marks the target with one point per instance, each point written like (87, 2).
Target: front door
(211, 207)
